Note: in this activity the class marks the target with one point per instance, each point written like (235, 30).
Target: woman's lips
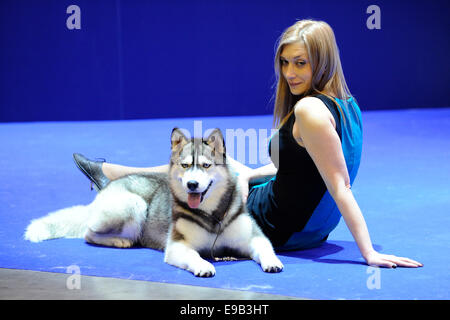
(294, 84)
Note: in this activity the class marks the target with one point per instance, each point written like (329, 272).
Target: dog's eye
(185, 165)
(206, 165)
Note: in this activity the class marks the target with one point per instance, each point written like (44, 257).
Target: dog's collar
(221, 211)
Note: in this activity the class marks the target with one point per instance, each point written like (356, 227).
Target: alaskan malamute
(195, 210)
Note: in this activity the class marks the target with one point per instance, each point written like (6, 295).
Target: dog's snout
(192, 185)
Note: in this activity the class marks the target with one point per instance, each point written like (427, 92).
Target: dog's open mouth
(195, 198)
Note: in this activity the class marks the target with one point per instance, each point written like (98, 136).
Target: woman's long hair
(327, 74)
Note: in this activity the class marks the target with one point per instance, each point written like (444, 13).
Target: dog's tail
(65, 223)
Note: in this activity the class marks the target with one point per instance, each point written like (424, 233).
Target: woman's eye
(301, 63)
(283, 62)
(206, 165)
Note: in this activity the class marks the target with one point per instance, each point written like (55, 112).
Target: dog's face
(197, 166)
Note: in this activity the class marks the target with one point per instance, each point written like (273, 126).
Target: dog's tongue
(194, 200)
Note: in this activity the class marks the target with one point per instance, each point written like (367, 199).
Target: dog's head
(197, 166)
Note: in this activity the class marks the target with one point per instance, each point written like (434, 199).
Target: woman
(315, 152)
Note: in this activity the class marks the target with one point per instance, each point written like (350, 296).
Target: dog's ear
(216, 142)
(178, 139)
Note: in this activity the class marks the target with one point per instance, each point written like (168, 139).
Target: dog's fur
(195, 210)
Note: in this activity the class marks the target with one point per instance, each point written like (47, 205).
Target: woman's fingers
(384, 263)
(390, 264)
(391, 261)
(406, 262)
(402, 262)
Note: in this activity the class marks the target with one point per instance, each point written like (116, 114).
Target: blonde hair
(327, 75)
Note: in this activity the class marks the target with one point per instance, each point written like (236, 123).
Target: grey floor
(25, 284)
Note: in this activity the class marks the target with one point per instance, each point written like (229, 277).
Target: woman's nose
(290, 74)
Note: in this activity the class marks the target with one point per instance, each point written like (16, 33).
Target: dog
(194, 211)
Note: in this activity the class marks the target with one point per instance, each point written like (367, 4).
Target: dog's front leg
(180, 255)
(262, 252)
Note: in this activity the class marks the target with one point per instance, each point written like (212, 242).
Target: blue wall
(144, 59)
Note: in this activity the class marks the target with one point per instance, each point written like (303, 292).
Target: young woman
(315, 153)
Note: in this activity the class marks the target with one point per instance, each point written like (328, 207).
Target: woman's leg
(101, 172)
(114, 171)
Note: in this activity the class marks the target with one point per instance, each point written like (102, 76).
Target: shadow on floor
(343, 252)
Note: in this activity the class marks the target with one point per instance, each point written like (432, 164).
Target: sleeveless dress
(294, 209)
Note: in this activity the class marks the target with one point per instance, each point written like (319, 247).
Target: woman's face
(296, 68)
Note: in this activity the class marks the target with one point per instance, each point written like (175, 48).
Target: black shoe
(92, 170)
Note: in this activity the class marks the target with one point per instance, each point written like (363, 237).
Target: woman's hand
(374, 258)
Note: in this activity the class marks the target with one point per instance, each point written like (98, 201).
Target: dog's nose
(192, 185)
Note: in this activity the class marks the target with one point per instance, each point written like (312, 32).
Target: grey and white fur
(194, 211)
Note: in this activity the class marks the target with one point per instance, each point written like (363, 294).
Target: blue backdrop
(148, 59)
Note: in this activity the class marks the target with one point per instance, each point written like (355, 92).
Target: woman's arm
(247, 174)
(241, 169)
(261, 172)
(323, 145)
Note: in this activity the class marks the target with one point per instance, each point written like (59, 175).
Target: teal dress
(294, 208)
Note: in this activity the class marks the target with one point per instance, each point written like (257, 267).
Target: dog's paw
(204, 269)
(37, 232)
(272, 265)
(121, 243)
